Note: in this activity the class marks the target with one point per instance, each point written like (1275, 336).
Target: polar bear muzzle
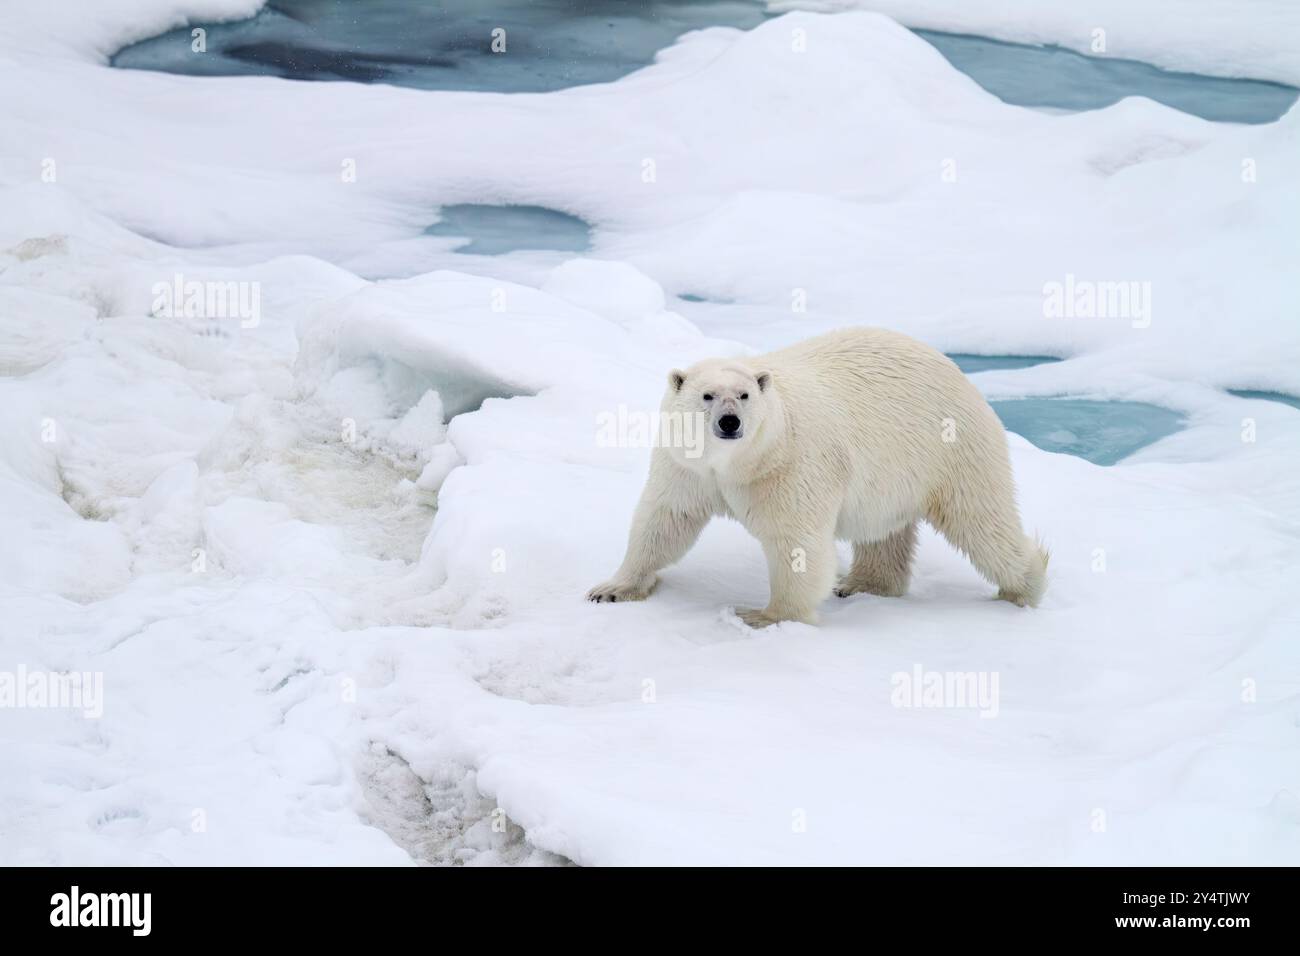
(728, 427)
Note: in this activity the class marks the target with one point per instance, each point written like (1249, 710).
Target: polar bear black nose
(730, 424)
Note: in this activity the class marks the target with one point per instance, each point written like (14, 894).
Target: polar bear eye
(708, 397)
(744, 396)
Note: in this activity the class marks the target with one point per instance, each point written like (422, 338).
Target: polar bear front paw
(612, 591)
(755, 617)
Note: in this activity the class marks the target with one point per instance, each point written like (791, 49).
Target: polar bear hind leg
(987, 530)
(881, 567)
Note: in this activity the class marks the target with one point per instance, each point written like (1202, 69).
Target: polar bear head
(734, 409)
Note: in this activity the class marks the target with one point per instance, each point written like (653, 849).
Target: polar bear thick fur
(856, 435)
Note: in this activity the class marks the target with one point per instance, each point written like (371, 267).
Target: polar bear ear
(676, 378)
(764, 379)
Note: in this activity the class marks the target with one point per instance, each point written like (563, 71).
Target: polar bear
(855, 435)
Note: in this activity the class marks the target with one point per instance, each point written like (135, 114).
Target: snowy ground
(337, 605)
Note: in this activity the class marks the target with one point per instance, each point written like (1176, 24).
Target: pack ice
(330, 563)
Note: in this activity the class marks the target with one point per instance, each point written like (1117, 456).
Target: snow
(331, 564)
(1237, 38)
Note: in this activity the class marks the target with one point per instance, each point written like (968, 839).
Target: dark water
(494, 230)
(1101, 432)
(985, 363)
(555, 44)
(1057, 78)
(448, 45)
(1283, 397)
